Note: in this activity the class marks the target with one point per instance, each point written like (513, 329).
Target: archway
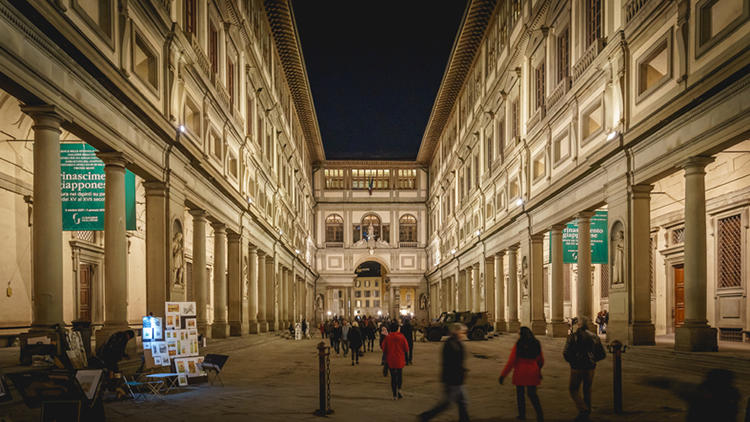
(370, 289)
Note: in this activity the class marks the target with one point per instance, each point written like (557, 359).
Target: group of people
(583, 349)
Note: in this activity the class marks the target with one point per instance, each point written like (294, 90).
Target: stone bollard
(617, 349)
(324, 383)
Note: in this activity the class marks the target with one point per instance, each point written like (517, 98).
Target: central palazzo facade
(549, 112)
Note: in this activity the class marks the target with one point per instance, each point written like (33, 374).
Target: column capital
(252, 249)
(499, 254)
(557, 228)
(219, 228)
(696, 164)
(537, 238)
(113, 159)
(198, 214)
(641, 191)
(233, 237)
(585, 215)
(261, 254)
(513, 249)
(45, 116)
(155, 188)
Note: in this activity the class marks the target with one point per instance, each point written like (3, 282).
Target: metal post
(617, 349)
(324, 380)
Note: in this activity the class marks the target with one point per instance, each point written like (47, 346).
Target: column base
(539, 328)
(204, 329)
(558, 329)
(236, 329)
(701, 338)
(262, 326)
(514, 326)
(254, 327)
(219, 330)
(643, 334)
(501, 326)
(272, 326)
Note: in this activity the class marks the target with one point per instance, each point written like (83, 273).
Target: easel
(213, 364)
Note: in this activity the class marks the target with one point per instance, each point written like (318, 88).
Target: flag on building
(370, 185)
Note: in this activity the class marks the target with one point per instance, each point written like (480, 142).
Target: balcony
(334, 244)
(200, 55)
(632, 8)
(587, 58)
(407, 244)
(560, 90)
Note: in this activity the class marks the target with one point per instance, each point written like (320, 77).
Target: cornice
(465, 48)
(286, 37)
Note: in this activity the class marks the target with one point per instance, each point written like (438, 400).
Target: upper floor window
(192, 116)
(144, 61)
(259, 128)
(489, 142)
(407, 229)
(334, 178)
(592, 121)
(539, 93)
(213, 48)
(375, 179)
(190, 13)
(334, 229)
(217, 145)
(717, 19)
(593, 21)
(233, 166)
(371, 227)
(515, 118)
(654, 67)
(97, 13)
(230, 82)
(407, 179)
(249, 107)
(563, 55)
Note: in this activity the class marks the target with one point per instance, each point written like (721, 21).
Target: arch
(334, 229)
(376, 222)
(407, 229)
(383, 265)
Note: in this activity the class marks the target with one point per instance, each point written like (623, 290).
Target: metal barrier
(324, 369)
(617, 349)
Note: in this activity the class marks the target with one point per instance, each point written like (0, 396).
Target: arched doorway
(369, 292)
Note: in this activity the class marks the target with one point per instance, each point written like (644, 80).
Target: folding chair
(213, 363)
(134, 388)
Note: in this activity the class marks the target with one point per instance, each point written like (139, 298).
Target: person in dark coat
(304, 328)
(408, 331)
(452, 376)
(371, 328)
(395, 348)
(583, 350)
(526, 361)
(355, 341)
(714, 399)
(335, 336)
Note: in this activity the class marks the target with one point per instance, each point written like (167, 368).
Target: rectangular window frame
(136, 35)
(564, 136)
(586, 111)
(664, 42)
(703, 44)
(108, 38)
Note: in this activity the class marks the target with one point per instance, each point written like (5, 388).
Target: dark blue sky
(374, 69)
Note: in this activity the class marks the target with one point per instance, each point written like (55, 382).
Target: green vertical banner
(82, 184)
(598, 240)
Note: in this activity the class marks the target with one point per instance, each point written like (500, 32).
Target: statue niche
(617, 253)
(178, 255)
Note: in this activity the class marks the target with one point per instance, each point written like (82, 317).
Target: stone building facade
(552, 110)
(550, 114)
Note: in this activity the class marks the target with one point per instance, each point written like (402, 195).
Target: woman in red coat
(526, 361)
(395, 347)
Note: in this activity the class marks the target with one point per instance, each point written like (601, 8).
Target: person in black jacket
(583, 350)
(452, 376)
(408, 331)
(355, 341)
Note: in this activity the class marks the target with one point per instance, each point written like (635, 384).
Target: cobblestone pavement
(268, 378)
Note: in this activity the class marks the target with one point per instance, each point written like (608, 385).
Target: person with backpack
(583, 350)
(526, 361)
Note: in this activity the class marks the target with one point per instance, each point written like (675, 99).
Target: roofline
(288, 46)
(465, 48)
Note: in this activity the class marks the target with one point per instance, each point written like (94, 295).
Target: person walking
(395, 348)
(452, 376)
(371, 328)
(526, 361)
(355, 341)
(304, 328)
(583, 350)
(345, 327)
(336, 336)
(408, 331)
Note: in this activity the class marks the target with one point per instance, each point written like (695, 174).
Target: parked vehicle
(477, 324)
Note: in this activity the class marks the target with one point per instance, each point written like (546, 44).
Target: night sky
(375, 72)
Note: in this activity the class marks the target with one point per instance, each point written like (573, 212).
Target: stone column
(513, 323)
(557, 296)
(489, 287)
(584, 296)
(47, 241)
(220, 327)
(252, 294)
(536, 270)
(500, 324)
(236, 283)
(439, 299)
(392, 311)
(270, 294)
(158, 242)
(284, 324)
(695, 335)
(200, 282)
(642, 330)
(262, 295)
(475, 288)
(115, 245)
